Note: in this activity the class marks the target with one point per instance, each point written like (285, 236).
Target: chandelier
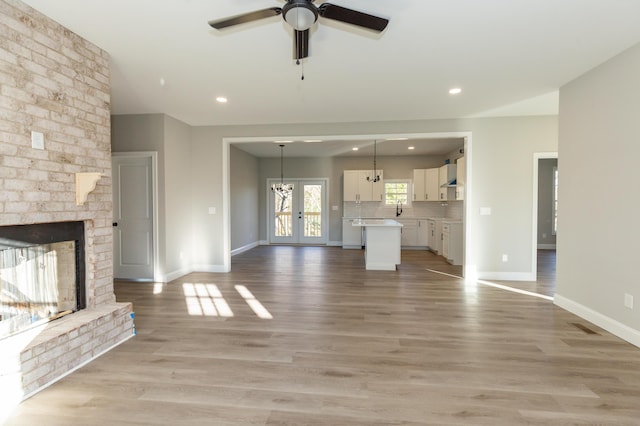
(282, 188)
(376, 176)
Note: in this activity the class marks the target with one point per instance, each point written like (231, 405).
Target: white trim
(611, 325)
(334, 243)
(534, 214)
(226, 208)
(157, 270)
(263, 242)
(174, 275)
(506, 276)
(244, 248)
(209, 268)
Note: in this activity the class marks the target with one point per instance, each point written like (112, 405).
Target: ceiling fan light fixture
(300, 14)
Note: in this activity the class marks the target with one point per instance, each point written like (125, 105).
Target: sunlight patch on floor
(205, 300)
(498, 286)
(253, 303)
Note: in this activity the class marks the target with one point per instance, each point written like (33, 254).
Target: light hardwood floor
(347, 346)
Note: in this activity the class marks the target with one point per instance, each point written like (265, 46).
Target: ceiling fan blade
(350, 16)
(219, 24)
(300, 44)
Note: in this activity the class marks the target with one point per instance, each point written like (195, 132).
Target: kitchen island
(381, 243)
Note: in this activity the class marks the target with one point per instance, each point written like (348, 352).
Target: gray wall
(599, 200)
(178, 196)
(244, 208)
(546, 237)
(171, 139)
(501, 169)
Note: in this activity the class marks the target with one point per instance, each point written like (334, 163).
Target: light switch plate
(485, 211)
(37, 140)
(212, 210)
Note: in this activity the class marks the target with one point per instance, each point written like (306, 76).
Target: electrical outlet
(628, 301)
(505, 257)
(544, 235)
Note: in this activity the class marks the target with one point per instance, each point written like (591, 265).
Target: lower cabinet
(408, 236)
(422, 233)
(435, 235)
(452, 242)
(351, 235)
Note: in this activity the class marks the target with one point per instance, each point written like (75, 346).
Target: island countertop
(376, 222)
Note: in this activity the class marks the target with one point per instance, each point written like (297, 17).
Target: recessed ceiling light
(411, 148)
(282, 141)
(397, 139)
(355, 148)
(312, 140)
(455, 91)
(162, 82)
(222, 99)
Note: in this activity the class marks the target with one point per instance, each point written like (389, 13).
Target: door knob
(115, 224)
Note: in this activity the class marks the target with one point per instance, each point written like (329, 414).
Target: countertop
(376, 222)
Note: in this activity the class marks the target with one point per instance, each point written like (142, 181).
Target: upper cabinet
(460, 178)
(425, 184)
(359, 185)
(447, 178)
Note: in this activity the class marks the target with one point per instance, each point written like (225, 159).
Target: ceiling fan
(301, 15)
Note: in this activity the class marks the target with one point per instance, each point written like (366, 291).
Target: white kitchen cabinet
(460, 178)
(409, 232)
(446, 174)
(435, 235)
(351, 235)
(425, 184)
(452, 242)
(422, 233)
(358, 188)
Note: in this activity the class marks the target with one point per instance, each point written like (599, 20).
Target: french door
(298, 214)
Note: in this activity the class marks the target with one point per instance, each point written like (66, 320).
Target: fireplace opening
(42, 274)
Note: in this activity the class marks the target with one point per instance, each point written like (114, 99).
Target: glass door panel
(297, 214)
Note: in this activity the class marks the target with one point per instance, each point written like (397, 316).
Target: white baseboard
(208, 268)
(244, 248)
(176, 274)
(612, 326)
(263, 242)
(334, 243)
(506, 276)
(546, 246)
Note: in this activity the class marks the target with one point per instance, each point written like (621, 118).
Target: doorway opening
(545, 200)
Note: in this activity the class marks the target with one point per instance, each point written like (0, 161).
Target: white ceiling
(509, 57)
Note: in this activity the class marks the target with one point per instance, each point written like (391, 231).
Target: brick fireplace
(56, 84)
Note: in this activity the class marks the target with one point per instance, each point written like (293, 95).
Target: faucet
(398, 209)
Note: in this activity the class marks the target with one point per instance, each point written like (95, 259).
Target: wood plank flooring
(346, 346)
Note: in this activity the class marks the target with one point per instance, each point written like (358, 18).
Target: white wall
(599, 202)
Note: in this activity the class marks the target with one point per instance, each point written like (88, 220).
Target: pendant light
(282, 188)
(376, 176)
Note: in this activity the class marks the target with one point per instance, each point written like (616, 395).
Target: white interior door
(133, 254)
(298, 216)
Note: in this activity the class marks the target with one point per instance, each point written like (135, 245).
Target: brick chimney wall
(54, 82)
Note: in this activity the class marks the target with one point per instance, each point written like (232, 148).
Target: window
(396, 191)
(554, 204)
